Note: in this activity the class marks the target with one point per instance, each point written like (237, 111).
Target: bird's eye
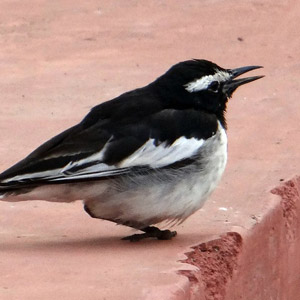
(214, 86)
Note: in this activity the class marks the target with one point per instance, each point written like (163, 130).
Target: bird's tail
(20, 191)
(7, 191)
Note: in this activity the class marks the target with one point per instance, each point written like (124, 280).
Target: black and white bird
(150, 155)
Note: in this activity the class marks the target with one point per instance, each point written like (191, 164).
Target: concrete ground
(60, 58)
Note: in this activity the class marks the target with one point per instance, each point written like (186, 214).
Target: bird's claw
(151, 232)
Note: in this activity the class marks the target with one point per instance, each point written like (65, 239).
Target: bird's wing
(104, 147)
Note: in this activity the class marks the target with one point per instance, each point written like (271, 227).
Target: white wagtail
(150, 155)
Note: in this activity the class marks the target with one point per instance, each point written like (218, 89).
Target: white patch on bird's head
(204, 82)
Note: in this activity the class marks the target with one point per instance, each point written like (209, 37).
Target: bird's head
(201, 84)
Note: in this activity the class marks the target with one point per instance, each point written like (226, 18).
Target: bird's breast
(169, 194)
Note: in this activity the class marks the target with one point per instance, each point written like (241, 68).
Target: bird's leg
(151, 232)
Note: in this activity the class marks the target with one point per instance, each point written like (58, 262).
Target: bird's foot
(151, 232)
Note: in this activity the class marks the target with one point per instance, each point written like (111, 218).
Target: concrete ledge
(263, 264)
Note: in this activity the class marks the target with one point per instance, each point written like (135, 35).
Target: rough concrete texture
(60, 58)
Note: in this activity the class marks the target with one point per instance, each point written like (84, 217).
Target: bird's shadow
(23, 244)
(92, 243)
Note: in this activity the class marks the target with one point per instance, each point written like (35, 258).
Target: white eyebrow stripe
(205, 81)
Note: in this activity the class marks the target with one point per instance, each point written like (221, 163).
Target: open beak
(231, 85)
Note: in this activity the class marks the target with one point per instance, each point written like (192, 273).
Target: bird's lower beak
(230, 86)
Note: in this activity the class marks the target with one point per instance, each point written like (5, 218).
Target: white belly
(171, 195)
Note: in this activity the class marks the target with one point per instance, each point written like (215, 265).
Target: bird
(151, 155)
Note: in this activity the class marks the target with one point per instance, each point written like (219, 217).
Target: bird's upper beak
(231, 85)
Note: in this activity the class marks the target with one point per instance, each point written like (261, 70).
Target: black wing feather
(127, 122)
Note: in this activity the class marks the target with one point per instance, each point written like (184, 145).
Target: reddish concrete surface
(59, 58)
